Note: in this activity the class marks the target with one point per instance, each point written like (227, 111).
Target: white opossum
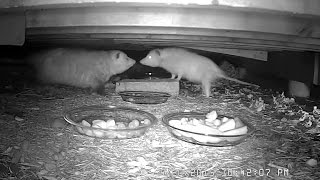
(80, 67)
(182, 63)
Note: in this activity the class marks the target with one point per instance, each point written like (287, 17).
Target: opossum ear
(118, 55)
(157, 51)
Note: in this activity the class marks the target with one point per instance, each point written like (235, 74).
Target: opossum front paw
(206, 94)
(173, 76)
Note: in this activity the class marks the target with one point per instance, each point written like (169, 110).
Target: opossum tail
(240, 82)
(222, 74)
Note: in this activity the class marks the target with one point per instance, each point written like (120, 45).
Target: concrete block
(170, 86)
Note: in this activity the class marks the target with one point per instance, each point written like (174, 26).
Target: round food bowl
(110, 122)
(216, 140)
(144, 97)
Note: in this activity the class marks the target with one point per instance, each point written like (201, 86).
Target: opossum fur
(80, 67)
(191, 66)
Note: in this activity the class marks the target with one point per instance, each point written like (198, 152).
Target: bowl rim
(165, 120)
(149, 93)
(67, 116)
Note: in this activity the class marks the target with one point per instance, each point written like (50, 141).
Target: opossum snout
(150, 61)
(131, 62)
(128, 63)
(143, 61)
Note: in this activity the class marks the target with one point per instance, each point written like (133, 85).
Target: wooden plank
(227, 28)
(175, 17)
(248, 24)
(168, 33)
(151, 43)
(192, 26)
(12, 31)
(310, 7)
(65, 36)
(161, 33)
(307, 7)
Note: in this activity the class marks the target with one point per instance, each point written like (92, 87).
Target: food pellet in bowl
(224, 119)
(228, 125)
(217, 122)
(133, 124)
(195, 122)
(110, 123)
(184, 121)
(121, 125)
(99, 124)
(146, 121)
(212, 115)
(85, 123)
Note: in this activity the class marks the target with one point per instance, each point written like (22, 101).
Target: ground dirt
(284, 145)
